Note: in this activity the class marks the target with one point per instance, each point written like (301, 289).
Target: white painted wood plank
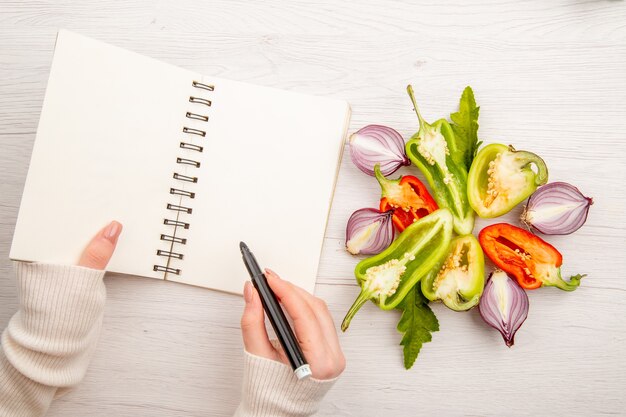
(549, 76)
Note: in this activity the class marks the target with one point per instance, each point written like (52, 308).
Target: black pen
(275, 313)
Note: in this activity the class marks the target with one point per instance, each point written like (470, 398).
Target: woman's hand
(100, 249)
(313, 325)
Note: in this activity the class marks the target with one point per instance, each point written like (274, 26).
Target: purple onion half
(376, 144)
(503, 305)
(369, 231)
(557, 208)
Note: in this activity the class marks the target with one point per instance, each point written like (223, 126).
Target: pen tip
(243, 246)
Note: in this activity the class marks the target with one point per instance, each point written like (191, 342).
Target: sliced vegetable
(531, 260)
(386, 278)
(501, 177)
(504, 305)
(369, 231)
(375, 144)
(465, 127)
(407, 197)
(416, 325)
(459, 282)
(558, 208)
(430, 150)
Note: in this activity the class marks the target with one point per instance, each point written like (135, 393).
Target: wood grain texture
(549, 76)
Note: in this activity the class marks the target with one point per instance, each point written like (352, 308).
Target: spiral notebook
(190, 164)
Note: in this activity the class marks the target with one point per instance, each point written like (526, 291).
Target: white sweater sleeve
(48, 343)
(270, 389)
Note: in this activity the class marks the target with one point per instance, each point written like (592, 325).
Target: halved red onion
(376, 144)
(557, 208)
(369, 231)
(503, 305)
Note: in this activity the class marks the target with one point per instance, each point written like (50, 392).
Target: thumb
(255, 337)
(99, 251)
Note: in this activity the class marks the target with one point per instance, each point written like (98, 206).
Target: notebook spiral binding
(199, 104)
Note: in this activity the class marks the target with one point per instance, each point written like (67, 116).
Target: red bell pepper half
(407, 196)
(531, 260)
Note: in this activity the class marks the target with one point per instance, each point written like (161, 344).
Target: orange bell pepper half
(531, 260)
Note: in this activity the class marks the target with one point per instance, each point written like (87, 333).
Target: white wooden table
(550, 77)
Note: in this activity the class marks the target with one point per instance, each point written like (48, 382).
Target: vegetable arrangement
(426, 262)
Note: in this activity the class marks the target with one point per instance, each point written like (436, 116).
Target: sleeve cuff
(51, 338)
(270, 388)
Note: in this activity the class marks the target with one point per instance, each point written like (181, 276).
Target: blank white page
(109, 130)
(267, 176)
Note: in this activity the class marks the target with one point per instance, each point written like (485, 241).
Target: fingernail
(112, 231)
(247, 292)
(274, 274)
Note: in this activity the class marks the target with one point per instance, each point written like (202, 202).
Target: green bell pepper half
(502, 177)
(386, 278)
(433, 150)
(460, 279)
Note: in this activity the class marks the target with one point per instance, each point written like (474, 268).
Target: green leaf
(465, 127)
(416, 323)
